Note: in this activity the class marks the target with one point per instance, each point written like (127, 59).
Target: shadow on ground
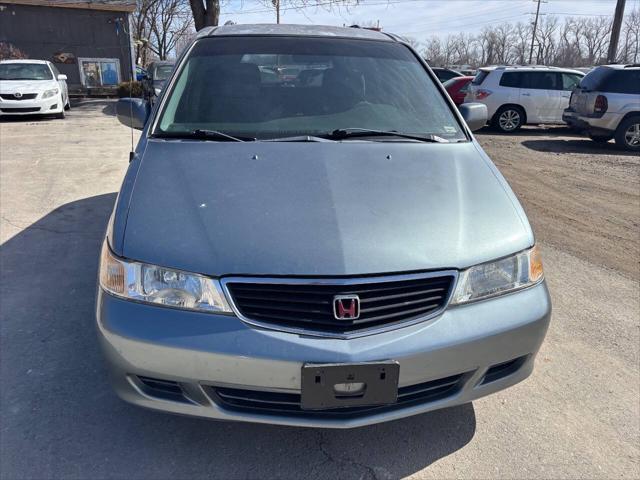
(28, 118)
(60, 418)
(531, 131)
(575, 145)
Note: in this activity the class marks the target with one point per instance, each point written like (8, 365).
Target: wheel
(600, 138)
(60, 115)
(628, 134)
(67, 106)
(508, 119)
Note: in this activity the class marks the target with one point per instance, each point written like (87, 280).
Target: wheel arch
(633, 113)
(516, 105)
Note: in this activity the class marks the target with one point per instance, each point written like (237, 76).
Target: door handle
(526, 94)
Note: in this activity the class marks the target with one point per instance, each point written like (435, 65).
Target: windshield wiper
(343, 133)
(204, 135)
(300, 138)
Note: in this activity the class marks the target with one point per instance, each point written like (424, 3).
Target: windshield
(275, 87)
(163, 72)
(25, 71)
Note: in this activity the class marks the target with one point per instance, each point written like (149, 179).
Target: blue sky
(417, 18)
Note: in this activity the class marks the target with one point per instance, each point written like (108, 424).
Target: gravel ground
(577, 416)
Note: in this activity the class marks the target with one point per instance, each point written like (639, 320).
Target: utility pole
(533, 35)
(615, 31)
(276, 3)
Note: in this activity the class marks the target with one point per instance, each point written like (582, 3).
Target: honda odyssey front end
(331, 248)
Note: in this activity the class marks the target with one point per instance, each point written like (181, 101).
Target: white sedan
(30, 87)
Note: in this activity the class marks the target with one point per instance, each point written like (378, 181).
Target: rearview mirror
(62, 77)
(475, 114)
(133, 112)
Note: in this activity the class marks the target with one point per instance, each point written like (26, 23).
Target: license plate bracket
(344, 385)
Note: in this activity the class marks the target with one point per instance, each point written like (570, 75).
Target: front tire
(628, 134)
(508, 119)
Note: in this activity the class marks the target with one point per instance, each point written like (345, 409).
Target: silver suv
(606, 105)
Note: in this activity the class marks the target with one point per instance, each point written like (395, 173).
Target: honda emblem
(346, 307)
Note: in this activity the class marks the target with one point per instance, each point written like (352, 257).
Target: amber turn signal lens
(535, 265)
(111, 271)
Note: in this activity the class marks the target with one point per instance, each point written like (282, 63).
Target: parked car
(157, 75)
(29, 87)
(445, 74)
(457, 88)
(141, 73)
(606, 105)
(330, 255)
(517, 95)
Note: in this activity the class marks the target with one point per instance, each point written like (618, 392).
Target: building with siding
(87, 40)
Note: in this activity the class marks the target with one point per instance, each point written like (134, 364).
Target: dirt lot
(577, 416)
(580, 196)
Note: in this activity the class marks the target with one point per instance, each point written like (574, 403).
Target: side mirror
(62, 77)
(133, 112)
(475, 114)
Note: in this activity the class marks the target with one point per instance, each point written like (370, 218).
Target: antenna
(131, 79)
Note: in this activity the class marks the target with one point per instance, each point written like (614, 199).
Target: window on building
(99, 72)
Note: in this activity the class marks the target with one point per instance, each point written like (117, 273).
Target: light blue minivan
(309, 234)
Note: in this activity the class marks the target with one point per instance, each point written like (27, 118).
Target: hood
(26, 86)
(347, 208)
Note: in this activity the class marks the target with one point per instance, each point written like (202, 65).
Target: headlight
(502, 276)
(157, 90)
(159, 285)
(50, 93)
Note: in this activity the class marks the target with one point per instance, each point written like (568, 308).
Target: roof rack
(502, 67)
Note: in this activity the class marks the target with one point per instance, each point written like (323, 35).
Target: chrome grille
(11, 96)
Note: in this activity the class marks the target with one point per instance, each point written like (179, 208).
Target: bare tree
(168, 22)
(546, 40)
(140, 27)
(432, 52)
(596, 32)
(206, 13)
(503, 39)
(572, 42)
(630, 51)
(520, 47)
(486, 41)
(417, 45)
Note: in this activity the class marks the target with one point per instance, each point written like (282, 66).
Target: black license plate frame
(318, 389)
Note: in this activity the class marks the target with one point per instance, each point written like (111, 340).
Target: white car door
(541, 96)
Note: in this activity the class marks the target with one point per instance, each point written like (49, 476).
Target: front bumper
(36, 106)
(202, 352)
